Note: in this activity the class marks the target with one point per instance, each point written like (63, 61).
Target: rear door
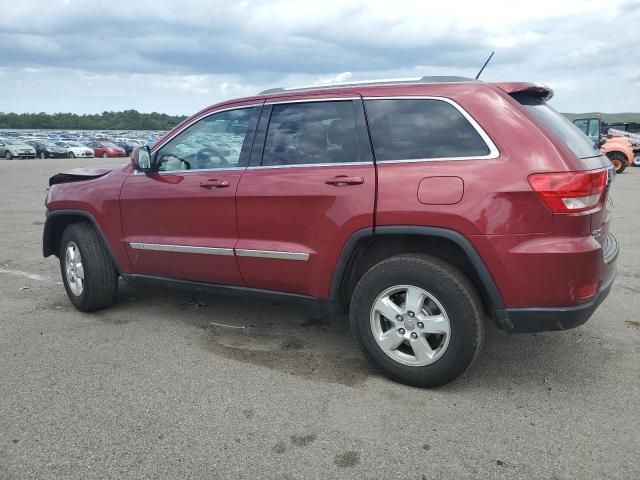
(180, 222)
(310, 185)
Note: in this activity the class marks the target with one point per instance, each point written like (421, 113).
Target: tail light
(570, 192)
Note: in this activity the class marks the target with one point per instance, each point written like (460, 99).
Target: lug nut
(399, 318)
(414, 335)
(420, 325)
(401, 331)
(411, 314)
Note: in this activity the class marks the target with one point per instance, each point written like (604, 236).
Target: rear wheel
(417, 319)
(88, 274)
(43, 155)
(619, 161)
(636, 161)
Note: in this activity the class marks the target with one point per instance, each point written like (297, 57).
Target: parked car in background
(47, 149)
(106, 149)
(12, 148)
(127, 147)
(421, 207)
(76, 149)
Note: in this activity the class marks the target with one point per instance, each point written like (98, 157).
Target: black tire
(100, 276)
(450, 287)
(71, 155)
(8, 155)
(43, 155)
(619, 161)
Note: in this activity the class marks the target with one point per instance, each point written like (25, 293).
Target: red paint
(536, 257)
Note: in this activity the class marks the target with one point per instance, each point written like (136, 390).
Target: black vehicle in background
(127, 147)
(47, 149)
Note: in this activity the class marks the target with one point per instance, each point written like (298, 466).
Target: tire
(43, 155)
(104, 155)
(99, 277)
(636, 161)
(71, 155)
(619, 161)
(449, 292)
(8, 155)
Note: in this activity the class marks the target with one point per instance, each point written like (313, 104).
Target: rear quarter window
(581, 145)
(413, 129)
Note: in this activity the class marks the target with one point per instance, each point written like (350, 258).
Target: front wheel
(636, 161)
(7, 155)
(619, 161)
(417, 319)
(104, 155)
(71, 155)
(43, 155)
(88, 274)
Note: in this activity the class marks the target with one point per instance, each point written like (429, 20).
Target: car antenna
(485, 64)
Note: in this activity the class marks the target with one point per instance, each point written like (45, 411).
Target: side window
(409, 129)
(311, 133)
(215, 141)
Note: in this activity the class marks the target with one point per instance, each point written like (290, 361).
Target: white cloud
(178, 56)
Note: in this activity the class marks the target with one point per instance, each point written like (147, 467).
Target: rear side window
(311, 133)
(581, 145)
(411, 129)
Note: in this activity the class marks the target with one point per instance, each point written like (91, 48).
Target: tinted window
(214, 142)
(406, 129)
(576, 139)
(308, 133)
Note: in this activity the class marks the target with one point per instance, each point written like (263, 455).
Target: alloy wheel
(74, 270)
(410, 325)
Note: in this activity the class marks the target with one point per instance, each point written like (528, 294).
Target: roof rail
(386, 81)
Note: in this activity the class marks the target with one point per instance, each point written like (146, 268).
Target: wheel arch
(365, 248)
(55, 225)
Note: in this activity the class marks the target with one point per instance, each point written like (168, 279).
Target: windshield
(74, 144)
(581, 145)
(8, 142)
(107, 144)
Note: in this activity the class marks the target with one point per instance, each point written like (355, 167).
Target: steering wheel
(185, 165)
(204, 156)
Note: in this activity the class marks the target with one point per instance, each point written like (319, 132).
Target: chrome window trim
(493, 149)
(171, 172)
(300, 165)
(158, 247)
(350, 98)
(302, 256)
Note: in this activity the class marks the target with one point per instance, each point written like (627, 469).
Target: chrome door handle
(213, 183)
(343, 181)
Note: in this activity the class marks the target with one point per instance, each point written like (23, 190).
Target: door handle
(343, 181)
(213, 183)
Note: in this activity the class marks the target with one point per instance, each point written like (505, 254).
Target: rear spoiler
(542, 92)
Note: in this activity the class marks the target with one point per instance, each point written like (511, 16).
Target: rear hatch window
(581, 145)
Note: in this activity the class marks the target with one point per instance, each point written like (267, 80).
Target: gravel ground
(153, 388)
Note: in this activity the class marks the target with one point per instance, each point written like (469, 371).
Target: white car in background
(76, 149)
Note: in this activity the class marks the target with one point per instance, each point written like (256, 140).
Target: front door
(180, 222)
(310, 185)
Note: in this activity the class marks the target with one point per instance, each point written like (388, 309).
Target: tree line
(126, 120)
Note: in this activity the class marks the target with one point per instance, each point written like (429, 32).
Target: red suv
(421, 207)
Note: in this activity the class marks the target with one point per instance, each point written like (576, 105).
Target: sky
(177, 57)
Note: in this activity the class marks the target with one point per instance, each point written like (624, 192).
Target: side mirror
(141, 159)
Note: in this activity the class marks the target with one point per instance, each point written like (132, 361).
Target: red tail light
(570, 192)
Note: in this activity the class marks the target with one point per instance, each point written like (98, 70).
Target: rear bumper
(529, 320)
